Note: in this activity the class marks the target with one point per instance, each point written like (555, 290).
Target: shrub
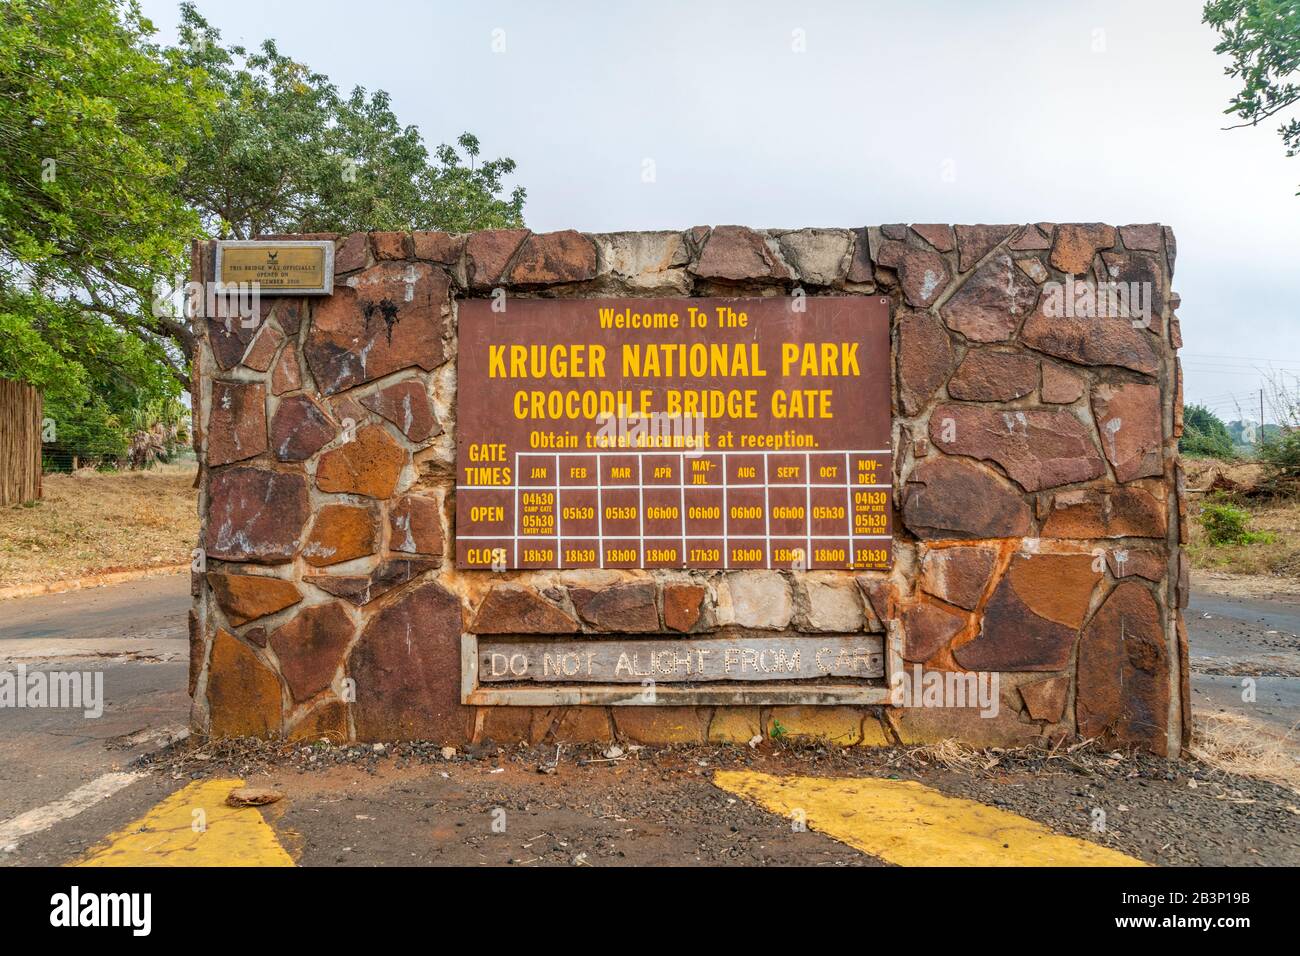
(1204, 434)
(1225, 524)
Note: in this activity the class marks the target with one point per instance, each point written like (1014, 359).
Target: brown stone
(957, 575)
(738, 254)
(326, 721)
(566, 256)
(243, 693)
(352, 253)
(415, 523)
(196, 651)
(255, 515)
(927, 629)
(925, 359)
(237, 423)
(341, 533)
(406, 670)
(1038, 448)
(389, 245)
(1141, 271)
(1123, 682)
(310, 648)
(300, 428)
(660, 726)
(987, 375)
(262, 352)
(287, 376)
(684, 608)
(1061, 386)
(369, 465)
(1146, 236)
(1077, 243)
(1045, 699)
(1032, 238)
(1129, 420)
(623, 607)
(1117, 513)
(361, 589)
(582, 724)
(1093, 340)
(255, 636)
(922, 274)
(438, 247)
(1031, 620)
(246, 597)
(879, 592)
(1128, 562)
(488, 252)
(385, 319)
(975, 242)
(992, 303)
(408, 406)
(938, 235)
(289, 314)
(229, 337)
(951, 498)
(860, 270)
(515, 609)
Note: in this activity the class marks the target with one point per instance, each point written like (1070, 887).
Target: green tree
(288, 152)
(1262, 37)
(1204, 434)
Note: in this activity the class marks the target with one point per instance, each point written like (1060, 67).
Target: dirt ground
(92, 522)
(1276, 560)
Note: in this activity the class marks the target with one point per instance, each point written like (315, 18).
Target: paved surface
(69, 792)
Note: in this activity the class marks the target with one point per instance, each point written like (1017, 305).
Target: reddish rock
(310, 648)
(927, 629)
(922, 274)
(287, 377)
(566, 256)
(880, 597)
(1032, 238)
(1078, 243)
(243, 693)
(938, 235)
(992, 303)
(987, 375)
(196, 651)
(1140, 273)
(255, 515)
(1117, 513)
(408, 406)
(369, 465)
(515, 609)
(361, 589)
(860, 270)
(1128, 562)
(389, 245)
(300, 428)
(1061, 386)
(246, 597)
(684, 608)
(975, 242)
(487, 253)
(1129, 420)
(438, 247)
(326, 721)
(289, 314)
(415, 523)
(341, 533)
(1014, 638)
(262, 352)
(1045, 699)
(385, 319)
(951, 498)
(623, 607)
(406, 668)
(1123, 671)
(1141, 237)
(237, 422)
(737, 254)
(229, 338)
(1038, 448)
(661, 726)
(1093, 340)
(925, 359)
(1057, 587)
(255, 636)
(352, 253)
(957, 575)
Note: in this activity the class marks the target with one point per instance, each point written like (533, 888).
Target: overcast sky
(917, 111)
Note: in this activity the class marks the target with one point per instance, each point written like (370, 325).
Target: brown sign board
(295, 267)
(674, 433)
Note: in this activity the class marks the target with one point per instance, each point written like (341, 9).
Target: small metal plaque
(301, 267)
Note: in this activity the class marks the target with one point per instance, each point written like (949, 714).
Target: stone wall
(1038, 498)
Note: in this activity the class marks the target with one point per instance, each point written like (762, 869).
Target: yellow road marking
(173, 833)
(906, 823)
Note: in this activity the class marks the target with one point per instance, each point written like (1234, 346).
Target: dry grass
(1278, 517)
(1235, 744)
(93, 523)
